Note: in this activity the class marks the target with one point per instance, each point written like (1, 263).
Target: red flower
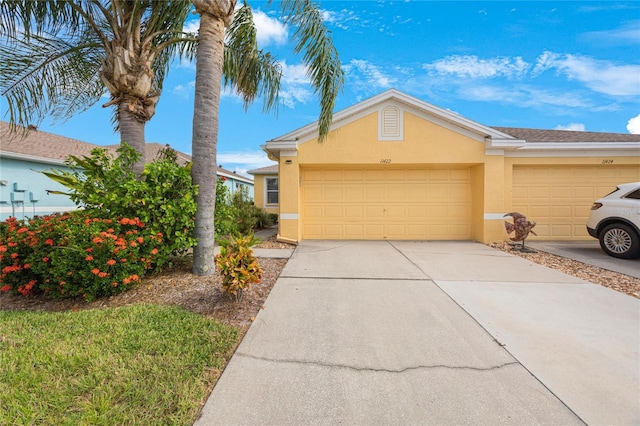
(97, 240)
(5, 287)
(111, 262)
(45, 259)
(49, 241)
(102, 274)
(140, 240)
(88, 258)
(154, 251)
(3, 249)
(95, 271)
(14, 255)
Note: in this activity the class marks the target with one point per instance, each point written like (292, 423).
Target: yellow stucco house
(395, 167)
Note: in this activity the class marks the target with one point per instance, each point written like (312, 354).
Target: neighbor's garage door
(385, 203)
(558, 198)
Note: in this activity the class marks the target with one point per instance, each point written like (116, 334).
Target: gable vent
(390, 124)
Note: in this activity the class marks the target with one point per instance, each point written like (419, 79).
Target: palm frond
(43, 76)
(250, 71)
(313, 39)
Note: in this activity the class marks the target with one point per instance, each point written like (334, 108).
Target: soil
(203, 295)
(176, 285)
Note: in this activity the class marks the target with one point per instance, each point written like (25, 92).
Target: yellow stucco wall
(424, 142)
(259, 193)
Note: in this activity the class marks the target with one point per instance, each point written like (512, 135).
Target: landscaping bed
(613, 280)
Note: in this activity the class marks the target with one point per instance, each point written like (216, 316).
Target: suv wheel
(620, 240)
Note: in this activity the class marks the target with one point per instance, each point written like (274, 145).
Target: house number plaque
(385, 161)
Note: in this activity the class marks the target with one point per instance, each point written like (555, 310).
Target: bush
(163, 197)
(224, 217)
(238, 267)
(73, 254)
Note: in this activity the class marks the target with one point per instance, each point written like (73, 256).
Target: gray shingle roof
(541, 135)
(264, 170)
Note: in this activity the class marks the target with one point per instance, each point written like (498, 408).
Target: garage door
(559, 198)
(385, 203)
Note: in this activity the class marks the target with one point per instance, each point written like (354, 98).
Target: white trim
(584, 152)
(289, 216)
(437, 115)
(34, 158)
(266, 204)
(494, 216)
(495, 151)
(288, 153)
(235, 177)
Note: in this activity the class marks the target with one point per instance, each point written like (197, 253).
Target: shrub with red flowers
(73, 254)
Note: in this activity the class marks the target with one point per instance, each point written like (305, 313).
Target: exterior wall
(356, 144)
(259, 189)
(232, 185)
(438, 142)
(35, 200)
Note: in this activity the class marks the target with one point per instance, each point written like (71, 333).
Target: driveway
(588, 252)
(361, 332)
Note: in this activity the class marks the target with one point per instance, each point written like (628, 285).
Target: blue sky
(552, 65)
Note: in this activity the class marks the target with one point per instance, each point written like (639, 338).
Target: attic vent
(390, 124)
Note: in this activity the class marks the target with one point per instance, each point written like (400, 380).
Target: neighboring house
(234, 181)
(266, 188)
(395, 167)
(23, 189)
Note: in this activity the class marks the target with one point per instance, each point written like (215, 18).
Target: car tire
(620, 240)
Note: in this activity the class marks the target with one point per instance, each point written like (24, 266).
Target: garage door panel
(355, 193)
(413, 203)
(559, 198)
(333, 212)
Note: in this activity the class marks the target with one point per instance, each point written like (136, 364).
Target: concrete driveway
(362, 333)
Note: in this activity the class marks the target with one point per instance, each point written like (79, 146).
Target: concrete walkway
(363, 333)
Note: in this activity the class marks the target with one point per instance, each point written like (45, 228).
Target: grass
(139, 364)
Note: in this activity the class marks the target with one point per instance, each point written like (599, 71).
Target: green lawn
(139, 364)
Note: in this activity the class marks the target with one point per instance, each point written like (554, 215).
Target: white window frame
(267, 190)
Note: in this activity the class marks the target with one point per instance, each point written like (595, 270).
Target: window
(272, 190)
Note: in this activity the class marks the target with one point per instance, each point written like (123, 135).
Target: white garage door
(385, 203)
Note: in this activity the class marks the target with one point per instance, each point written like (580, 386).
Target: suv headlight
(596, 206)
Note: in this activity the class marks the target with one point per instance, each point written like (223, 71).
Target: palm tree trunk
(132, 132)
(210, 56)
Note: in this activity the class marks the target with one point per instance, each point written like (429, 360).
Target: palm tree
(311, 37)
(57, 57)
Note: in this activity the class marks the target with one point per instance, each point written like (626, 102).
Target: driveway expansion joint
(376, 370)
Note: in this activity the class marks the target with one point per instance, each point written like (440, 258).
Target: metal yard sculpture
(522, 227)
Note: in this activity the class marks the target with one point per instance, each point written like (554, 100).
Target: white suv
(615, 221)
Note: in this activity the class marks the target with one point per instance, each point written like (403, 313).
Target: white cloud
(628, 33)
(270, 30)
(598, 75)
(184, 90)
(578, 127)
(633, 125)
(522, 95)
(341, 18)
(366, 75)
(241, 161)
(473, 67)
(294, 74)
(192, 26)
